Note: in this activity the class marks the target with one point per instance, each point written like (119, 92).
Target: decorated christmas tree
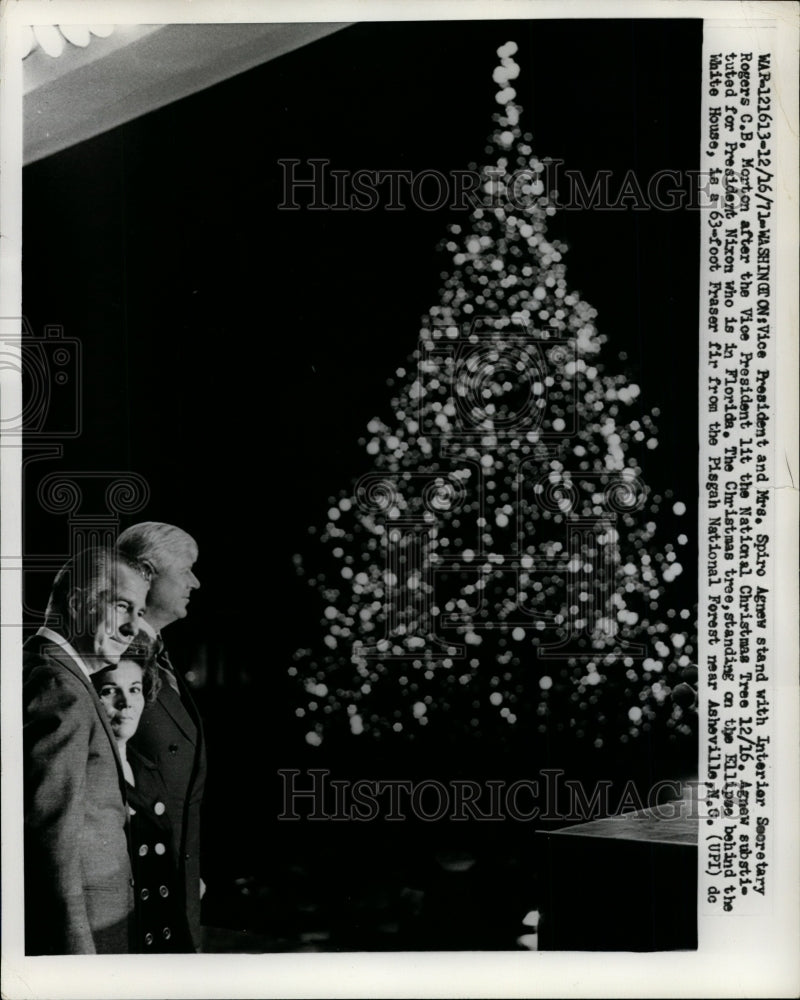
(499, 565)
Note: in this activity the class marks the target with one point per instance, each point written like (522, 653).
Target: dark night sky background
(233, 353)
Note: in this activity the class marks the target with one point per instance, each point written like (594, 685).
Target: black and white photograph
(380, 595)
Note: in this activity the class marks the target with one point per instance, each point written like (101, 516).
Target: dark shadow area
(232, 355)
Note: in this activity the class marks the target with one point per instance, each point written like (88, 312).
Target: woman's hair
(142, 650)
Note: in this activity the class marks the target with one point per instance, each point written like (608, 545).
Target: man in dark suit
(170, 732)
(78, 884)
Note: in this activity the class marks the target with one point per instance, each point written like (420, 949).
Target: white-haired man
(78, 880)
(170, 732)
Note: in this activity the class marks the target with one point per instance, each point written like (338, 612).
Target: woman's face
(121, 692)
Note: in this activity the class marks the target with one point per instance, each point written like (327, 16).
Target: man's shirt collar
(59, 640)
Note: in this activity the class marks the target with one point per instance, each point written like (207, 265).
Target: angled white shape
(136, 69)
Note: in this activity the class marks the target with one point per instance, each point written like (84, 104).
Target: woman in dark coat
(159, 916)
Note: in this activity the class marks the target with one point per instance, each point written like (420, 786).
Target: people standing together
(114, 756)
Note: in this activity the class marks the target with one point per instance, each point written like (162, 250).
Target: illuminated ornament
(51, 38)
(76, 34)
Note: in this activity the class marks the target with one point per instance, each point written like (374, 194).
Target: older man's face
(119, 615)
(171, 589)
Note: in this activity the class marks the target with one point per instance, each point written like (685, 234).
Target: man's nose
(126, 625)
(194, 583)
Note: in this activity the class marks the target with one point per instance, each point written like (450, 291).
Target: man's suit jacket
(78, 878)
(170, 734)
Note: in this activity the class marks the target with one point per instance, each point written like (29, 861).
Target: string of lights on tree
(501, 563)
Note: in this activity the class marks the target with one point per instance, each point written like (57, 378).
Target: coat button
(145, 894)
(164, 891)
(173, 748)
(159, 849)
(166, 933)
(159, 808)
(187, 857)
(143, 850)
(130, 882)
(148, 938)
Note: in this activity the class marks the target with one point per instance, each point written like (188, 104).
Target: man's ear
(79, 613)
(74, 603)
